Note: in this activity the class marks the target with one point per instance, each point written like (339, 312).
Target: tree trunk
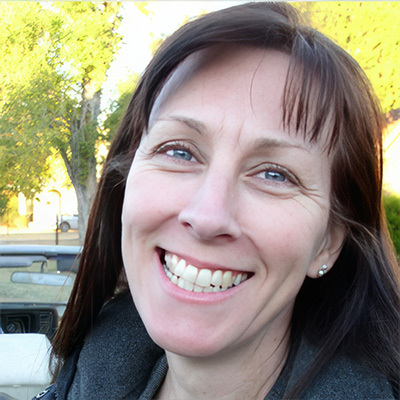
(84, 194)
(81, 163)
(84, 197)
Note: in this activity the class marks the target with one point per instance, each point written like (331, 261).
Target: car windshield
(37, 274)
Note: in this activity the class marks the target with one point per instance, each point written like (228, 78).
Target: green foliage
(11, 216)
(370, 32)
(392, 209)
(54, 61)
(118, 107)
(4, 201)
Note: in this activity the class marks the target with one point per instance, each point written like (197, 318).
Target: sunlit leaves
(370, 32)
(54, 62)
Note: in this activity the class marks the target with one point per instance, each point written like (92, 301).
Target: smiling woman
(224, 213)
(237, 247)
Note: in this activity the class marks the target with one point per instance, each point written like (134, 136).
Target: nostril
(209, 215)
(186, 224)
(208, 229)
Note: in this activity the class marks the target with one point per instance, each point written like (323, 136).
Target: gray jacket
(119, 361)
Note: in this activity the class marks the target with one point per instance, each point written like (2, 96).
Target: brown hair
(354, 308)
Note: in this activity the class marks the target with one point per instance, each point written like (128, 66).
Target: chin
(187, 342)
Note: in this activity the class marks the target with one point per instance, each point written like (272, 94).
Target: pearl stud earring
(322, 271)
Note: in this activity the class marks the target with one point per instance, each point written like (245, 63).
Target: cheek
(140, 202)
(149, 199)
(286, 231)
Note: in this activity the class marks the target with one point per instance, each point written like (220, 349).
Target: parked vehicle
(68, 222)
(35, 284)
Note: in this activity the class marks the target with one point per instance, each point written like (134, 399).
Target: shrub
(392, 209)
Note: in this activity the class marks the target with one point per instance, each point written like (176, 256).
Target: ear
(329, 252)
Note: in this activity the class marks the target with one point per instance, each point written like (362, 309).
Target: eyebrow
(260, 143)
(268, 143)
(194, 124)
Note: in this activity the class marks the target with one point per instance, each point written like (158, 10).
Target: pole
(56, 229)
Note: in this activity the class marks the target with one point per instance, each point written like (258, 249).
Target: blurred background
(67, 73)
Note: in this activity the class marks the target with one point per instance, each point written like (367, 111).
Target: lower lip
(193, 297)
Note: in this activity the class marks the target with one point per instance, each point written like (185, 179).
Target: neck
(248, 372)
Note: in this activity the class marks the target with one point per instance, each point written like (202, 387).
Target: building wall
(49, 204)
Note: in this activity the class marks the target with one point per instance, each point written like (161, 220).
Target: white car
(68, 222)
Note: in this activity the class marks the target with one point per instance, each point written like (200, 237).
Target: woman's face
(225, 213)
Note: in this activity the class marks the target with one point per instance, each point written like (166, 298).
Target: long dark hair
(355, 307)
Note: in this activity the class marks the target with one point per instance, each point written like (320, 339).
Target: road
(64, 238)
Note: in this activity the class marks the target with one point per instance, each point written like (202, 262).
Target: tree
(370, 32)
(54, 61)
(118, 107)
(126, 88)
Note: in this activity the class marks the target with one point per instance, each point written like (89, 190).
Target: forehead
(231, 84)
(243, 74)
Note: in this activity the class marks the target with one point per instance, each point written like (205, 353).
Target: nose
(210, 213)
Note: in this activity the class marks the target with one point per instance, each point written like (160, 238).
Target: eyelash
(176, 146)
(289, 178)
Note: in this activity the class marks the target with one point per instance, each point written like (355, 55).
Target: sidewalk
(70, 238)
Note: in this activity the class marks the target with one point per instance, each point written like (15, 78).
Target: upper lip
(202, 264)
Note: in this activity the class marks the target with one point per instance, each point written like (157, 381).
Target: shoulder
(117, 356)
(344, 378)
(118, 323)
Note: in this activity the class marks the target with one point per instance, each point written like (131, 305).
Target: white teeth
(216, 279)
(188, 286)
(237, 279)
(204, 278)
(181, 283)
(179, 268)
(193, 279)
(227, 279)
(197, 289)
(190, 273)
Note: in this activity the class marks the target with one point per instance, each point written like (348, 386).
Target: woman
(244, 188)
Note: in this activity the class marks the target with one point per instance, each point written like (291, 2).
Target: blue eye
(180, 154)
(275, 176)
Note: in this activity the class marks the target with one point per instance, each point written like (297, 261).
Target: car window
(31, 290)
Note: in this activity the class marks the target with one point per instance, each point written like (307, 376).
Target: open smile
(200, 280)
